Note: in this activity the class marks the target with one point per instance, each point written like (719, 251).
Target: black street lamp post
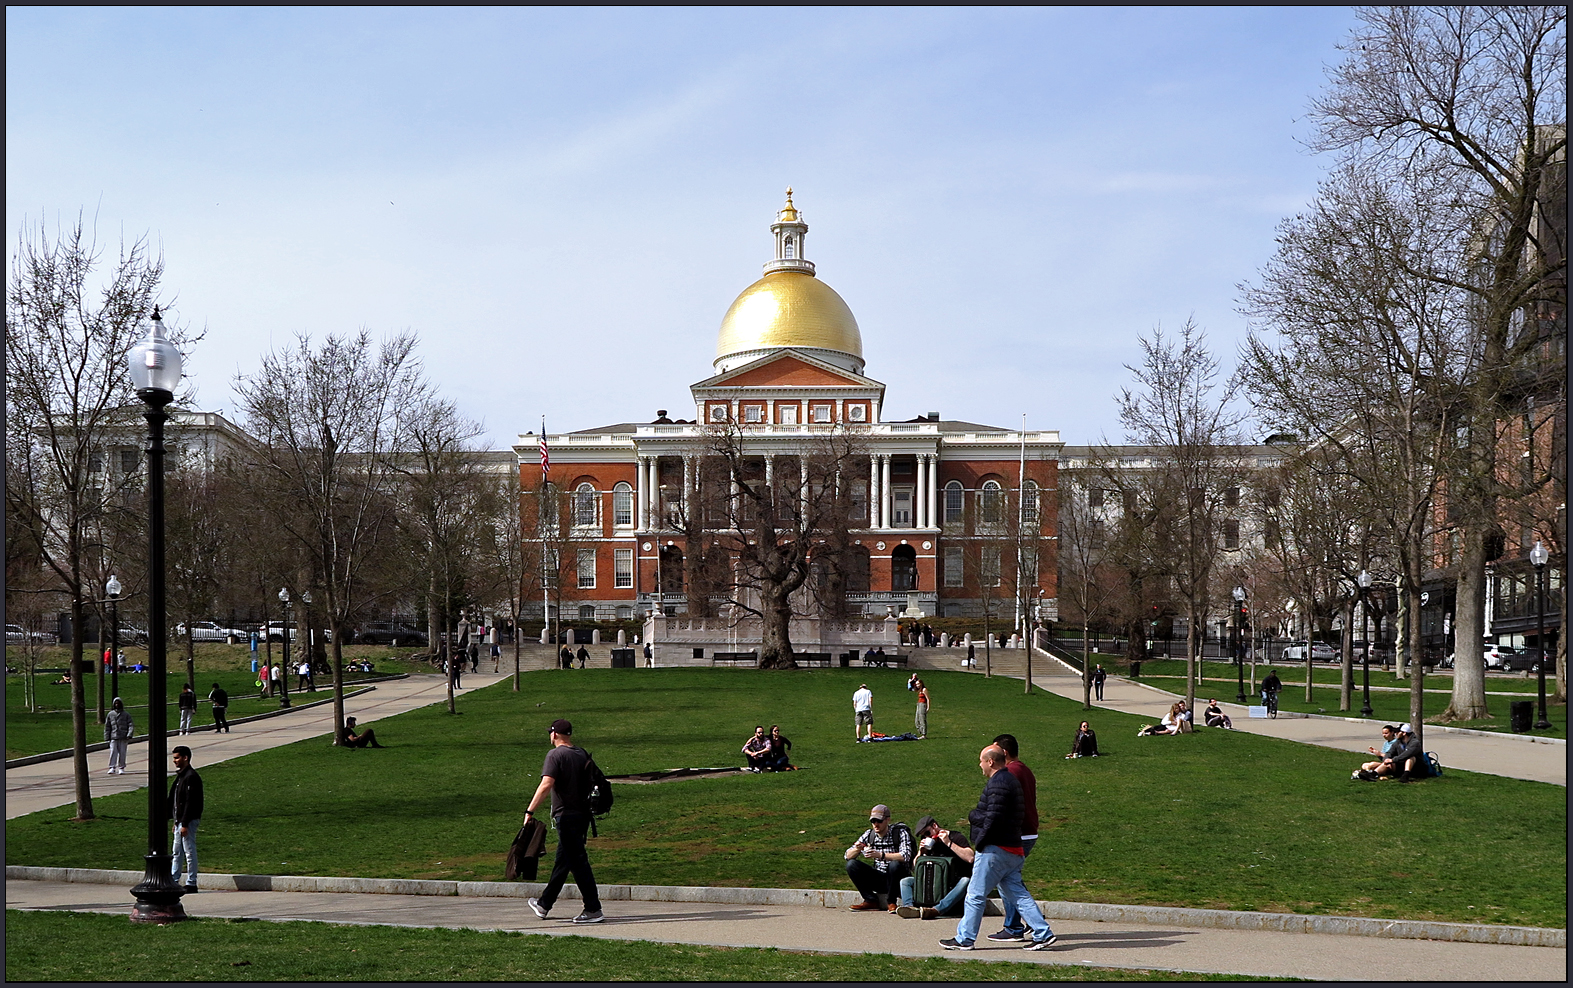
(112, 589)
(1538, 556)
(1239, 659)
(1364, 580)
(284, 663)
(155, 372)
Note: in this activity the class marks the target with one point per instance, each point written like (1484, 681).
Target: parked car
(1320, 652)
(275, 631)
(1493, 656)
(1528, 659)
(387, 632)
(209, 631)
(15, 634)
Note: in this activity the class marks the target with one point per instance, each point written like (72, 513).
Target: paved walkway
(1512, 756)
(30, 788)
(815, 928)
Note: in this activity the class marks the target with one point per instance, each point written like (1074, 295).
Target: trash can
(622, 658)
(846, 659)
(1136, 668)
(1521, 714)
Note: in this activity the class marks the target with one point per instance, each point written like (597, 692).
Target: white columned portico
(688, 485)
(884, 491)
(921, 495)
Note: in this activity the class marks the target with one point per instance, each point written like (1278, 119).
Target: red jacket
(1029, 796)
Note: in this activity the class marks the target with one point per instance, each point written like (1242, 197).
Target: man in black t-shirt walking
(565, 775)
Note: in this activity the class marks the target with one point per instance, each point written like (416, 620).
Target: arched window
(955, 509)
(788, 248)
(584, 505)
(904, 568)
(587, 612)
(991, 503)
(622, 504)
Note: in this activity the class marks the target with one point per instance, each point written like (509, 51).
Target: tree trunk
(84, 791)
(1190, 661)
(775, 648)
(1469, 674)
(191, 658)
(515, 616)
(1562, 641)
(1417, 669)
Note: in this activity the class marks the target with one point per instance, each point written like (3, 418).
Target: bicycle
(1271, 699)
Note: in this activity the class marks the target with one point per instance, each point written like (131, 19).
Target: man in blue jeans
(997, 860)
(1015, 929)
(934, 842)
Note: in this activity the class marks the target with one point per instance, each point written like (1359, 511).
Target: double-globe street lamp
(112, 591)
(1538, 557)
(155, 373)
(1364, 581)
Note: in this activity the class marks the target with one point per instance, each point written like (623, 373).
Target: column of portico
(884, 491)
(933, 490)
(642, 493)
(873, 491)
(688, 484)
(920, 496)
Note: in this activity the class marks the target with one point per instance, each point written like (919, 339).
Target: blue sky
(562, 204)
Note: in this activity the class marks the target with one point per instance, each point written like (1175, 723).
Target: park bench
(820, 660)
(733, 658)
(888, 659)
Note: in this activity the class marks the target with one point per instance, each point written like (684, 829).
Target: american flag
(546, 460)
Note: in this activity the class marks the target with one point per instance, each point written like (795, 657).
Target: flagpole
(546, 608)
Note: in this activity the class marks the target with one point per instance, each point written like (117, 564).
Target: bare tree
(1183, 411)
(769, 517)
(1088, 581)
(70, 320)
(1480, 92)
(1365, 358)
(512, 562)
(326, 419)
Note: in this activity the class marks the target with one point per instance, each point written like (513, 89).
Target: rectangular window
(902, 507)
(821, 413)
(1270, 497)
(129, 459)
(955, 504)
(1271, 531)
(1096, 533)
(859, 500)
(625, 569)
(1231, 497)
(991, 566)
(1095, 497)
(95, 462)
(1231, 534)
(753, 413)
(553, 566)
(787, 414)
(953, 566)
(586, 568)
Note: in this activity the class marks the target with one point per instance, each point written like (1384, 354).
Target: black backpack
(599, 801)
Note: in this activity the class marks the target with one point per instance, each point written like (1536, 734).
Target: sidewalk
(1124, 943)
(30, 788)
(1512, 756)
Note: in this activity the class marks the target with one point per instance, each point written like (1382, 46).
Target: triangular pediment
(788, 368)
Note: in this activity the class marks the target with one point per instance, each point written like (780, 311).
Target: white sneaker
(535, 907)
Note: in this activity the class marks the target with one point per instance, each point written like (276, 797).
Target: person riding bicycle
(1271, 687)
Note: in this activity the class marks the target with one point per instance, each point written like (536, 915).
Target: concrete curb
(1376, 724)
(1403, 929)
(49, 756)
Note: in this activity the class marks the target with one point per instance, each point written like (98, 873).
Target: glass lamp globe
(155, 363)
(112, 587)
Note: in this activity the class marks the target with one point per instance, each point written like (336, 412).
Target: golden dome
(789, 308)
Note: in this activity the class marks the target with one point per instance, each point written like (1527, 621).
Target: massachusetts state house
(933, 499)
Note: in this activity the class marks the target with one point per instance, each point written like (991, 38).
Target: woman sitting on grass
(1174, 722)
(780, 759)
(353, 740)
(1085, 744)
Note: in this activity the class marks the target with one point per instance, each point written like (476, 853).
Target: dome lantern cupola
(790, 232)
(789, 307)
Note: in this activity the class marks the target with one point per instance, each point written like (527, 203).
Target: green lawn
(30, 732)
(46, 946)
(1217, 819)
